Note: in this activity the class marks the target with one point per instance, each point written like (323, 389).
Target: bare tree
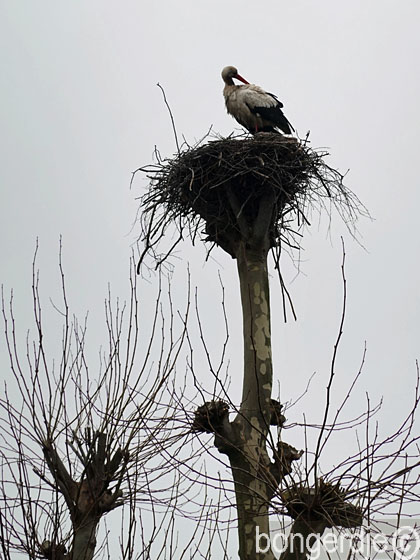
(74, 446)
(253, 197)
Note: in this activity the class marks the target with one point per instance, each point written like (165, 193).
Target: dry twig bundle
(216, 191)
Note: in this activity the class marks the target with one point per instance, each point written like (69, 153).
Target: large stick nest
(219, 191)
(327, 502)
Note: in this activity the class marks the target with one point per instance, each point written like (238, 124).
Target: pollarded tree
(250, 197)
(76, 446)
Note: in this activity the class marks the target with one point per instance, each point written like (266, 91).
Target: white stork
(251, 106)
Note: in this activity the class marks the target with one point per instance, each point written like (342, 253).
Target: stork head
(230, 72)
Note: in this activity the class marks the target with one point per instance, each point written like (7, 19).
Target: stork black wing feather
(275, 115)
(279, 103)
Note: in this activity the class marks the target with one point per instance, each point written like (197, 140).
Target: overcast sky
(80, 111)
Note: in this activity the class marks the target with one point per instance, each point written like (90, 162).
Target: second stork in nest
(251, 106)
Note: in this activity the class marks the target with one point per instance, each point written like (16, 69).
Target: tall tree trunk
(249, 459)
(84, 540)
(258, 367)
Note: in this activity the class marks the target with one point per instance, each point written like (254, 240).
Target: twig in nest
(170, 114)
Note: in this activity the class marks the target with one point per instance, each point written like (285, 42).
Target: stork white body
(251, 106)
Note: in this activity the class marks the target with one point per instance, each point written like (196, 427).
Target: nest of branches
(219, 190)
(210, 416)
(326, 502)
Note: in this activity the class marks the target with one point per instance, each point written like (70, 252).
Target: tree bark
(254, 480)
(249, 458)
(84, 540)
(303, 536)
(258, 368)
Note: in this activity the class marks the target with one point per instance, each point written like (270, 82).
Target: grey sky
(80, 110)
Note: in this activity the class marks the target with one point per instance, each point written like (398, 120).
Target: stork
(251, 106)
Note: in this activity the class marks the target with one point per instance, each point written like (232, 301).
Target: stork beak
(238, 77)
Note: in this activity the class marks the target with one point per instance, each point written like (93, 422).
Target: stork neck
(229, 82)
